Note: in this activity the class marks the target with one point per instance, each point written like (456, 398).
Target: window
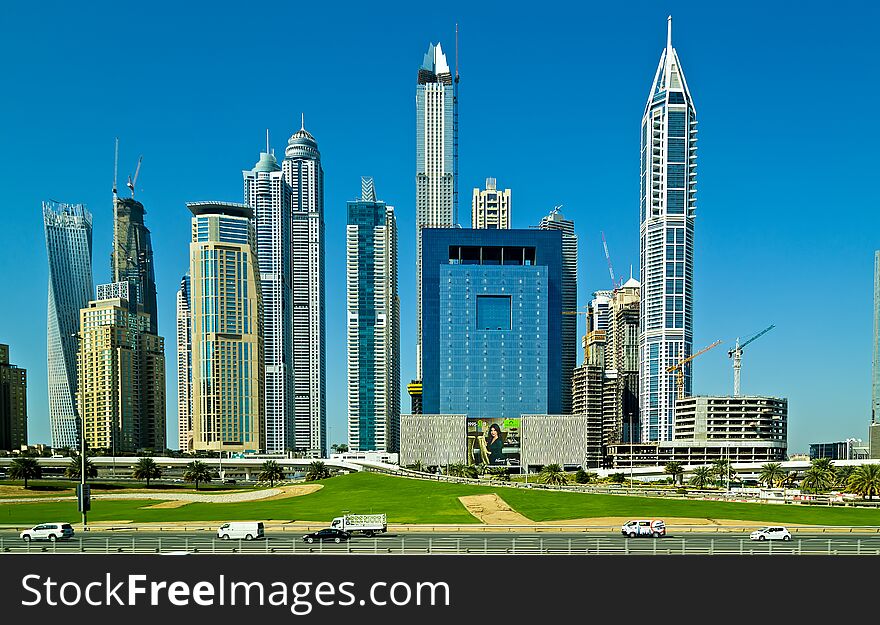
(493, 312)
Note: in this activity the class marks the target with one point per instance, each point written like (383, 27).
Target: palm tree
(271, 472)
(675, 470)
(842, 475)
(25, 469)
(552, 474)
(74, 469)
(722, 470)
(146, 469)
(317, 471)
(771, 473)
(198, 472)
(865, 481)
(701, 477)
(817, 479)
(339, 448)
(418, 465)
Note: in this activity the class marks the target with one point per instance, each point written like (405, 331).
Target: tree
(74, 469)
(817, 479)
(771, 474)
(502, 474)
(339, 448)
(271, 472)
(675, 470)
(702, 476)
(552, 474)
(317, 471)
(865, 481)
(842, 475)
(418, 465)
(25, 469)
(198, 472)
(583, 477)
(146, 469)
(617, 478)
(722, 470)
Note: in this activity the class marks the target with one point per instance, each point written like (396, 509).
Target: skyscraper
(184, 366)
(435, 167)
(557, 221)
(268, 195)
(302, 172)
(373, 324)
(667, 210)
(227, 343)
(13, 404)
(132, 255)
(121, 373)
(874, 427)
(490, 208)
(68, 229)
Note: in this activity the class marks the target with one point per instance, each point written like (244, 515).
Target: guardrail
(585, 547)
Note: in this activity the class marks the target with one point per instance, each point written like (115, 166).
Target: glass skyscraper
(373, 324)
(667, 210)
(492, 342)
(68, 229)
(132, 256)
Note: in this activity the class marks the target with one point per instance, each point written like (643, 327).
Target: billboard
(493, 442)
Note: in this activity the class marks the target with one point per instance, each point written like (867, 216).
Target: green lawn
(418, 501)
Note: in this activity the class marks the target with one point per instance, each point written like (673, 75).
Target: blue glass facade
(492, 322)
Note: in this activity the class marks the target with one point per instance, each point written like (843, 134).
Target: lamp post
(82, 428)
(632, 451)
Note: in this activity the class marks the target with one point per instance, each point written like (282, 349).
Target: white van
(246, 530)
(644, 527)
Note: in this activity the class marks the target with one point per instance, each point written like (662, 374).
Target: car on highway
(247, 530)
(644, 527)
(771, 533)
(48, 531)
(333, 535)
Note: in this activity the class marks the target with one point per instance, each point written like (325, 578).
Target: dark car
(336, 536)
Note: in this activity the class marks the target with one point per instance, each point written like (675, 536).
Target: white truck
(368, 524)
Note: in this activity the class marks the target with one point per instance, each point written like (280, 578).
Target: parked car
(247, 530)
(771, 533)
(334, 535)
(48, 531)
(644, 527)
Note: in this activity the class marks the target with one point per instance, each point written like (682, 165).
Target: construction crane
(132, 182)
(737, 352)
(614, 284)
(680, 367)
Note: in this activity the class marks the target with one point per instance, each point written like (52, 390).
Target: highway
(560, 543)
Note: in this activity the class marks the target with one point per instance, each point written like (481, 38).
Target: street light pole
(632, 451)
(82, 427)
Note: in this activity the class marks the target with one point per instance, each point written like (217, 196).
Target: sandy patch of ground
(493, 510)
(296, 490)
(167, 504)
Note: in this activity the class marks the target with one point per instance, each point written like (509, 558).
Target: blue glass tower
(492, 319)
(668, 207)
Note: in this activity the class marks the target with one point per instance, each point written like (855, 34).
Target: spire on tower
(303, 125)
(267, 140)
(669, 33)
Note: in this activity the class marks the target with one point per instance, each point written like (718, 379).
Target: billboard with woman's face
(494, 442)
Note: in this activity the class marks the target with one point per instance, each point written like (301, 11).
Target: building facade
(132, 255)
(227, 343)
(490, 207)
(68, 230)
(435, 167)
(304, 176)
(850, 449)
(667, 212)
(373, 324)
(184, 366)
(13, 403)
(121, 373)
(556, 221)
(492, 316)
(269, 196)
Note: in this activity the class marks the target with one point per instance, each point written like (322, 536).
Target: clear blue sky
(551, 101)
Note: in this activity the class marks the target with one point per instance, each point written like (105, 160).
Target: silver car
(48, 531)
(771, 533)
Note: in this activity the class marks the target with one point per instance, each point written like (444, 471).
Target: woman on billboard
(494, 444)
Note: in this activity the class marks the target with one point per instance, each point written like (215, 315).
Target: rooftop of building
(211, 207)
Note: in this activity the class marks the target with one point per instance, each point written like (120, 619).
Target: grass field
(417, 501)
(59, 487)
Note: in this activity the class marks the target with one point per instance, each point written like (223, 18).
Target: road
(444, 543)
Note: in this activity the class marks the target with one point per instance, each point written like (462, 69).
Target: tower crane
(132, 182)
(680, 367)
(614, 283)
(736, 354)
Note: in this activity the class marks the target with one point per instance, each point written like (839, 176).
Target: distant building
(373, 324)
(184, 366)
(227, 343)
(13, 403)
(850, 449)
(557, 221)
(132, 256)
(121, 373)
(490, 207)
(874, 440)
(68, 229)
(414, 388)
(739, 429)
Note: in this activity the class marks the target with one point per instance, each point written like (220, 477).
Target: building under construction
(132, 257)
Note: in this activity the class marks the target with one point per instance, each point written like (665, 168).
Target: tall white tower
(302, 172)
(184, 366)
(668, 206)
(490, 207)
(267, 194)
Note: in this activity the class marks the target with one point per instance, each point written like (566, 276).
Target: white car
(771, 533)
(247, 530)
(644, 527)
(48, 531)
